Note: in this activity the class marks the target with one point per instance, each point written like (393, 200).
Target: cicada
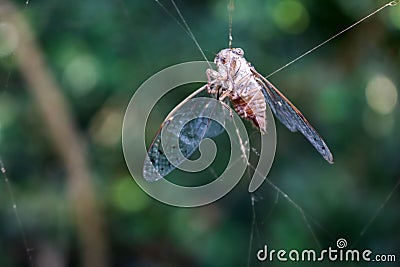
(249, 93)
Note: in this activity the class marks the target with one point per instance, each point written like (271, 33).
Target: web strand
(254, 229)
(28, 250)
(309, 221)
(173, 17)
(189, 30)
(184, 26)
(392, 3)
(380, 208)
(231, 7)
(253, 225)
(297, 206)
(281, 192)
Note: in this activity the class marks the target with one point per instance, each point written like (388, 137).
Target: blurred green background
(99, 52)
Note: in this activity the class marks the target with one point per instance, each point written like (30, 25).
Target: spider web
(314, 227)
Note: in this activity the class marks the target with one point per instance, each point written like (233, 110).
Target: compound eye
(223, 60)
(239, 51)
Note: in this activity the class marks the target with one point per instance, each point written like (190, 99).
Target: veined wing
(157, 165)
(291, 117)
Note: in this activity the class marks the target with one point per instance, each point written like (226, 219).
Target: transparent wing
(291, 117)
(179, 143)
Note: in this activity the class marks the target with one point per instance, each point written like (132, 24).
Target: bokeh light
(291, 16)
(81, 74)
(381, 94)
(127, 196)
(104, 124)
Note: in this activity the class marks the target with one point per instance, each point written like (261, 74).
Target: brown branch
(62, 130)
